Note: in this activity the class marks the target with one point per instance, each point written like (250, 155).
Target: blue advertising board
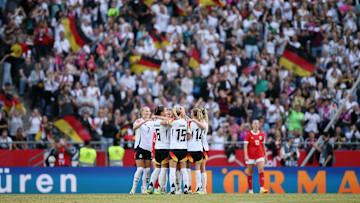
(20, 180)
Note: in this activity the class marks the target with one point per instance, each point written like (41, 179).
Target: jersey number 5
(182, 134)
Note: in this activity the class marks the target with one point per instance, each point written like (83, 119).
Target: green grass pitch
(224, 198)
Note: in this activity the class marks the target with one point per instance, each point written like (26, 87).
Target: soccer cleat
(132, 192)
(150, 191)
(186, 192)
(178, 192)
(172, 193)
(159, 192)
(264, 191)
(251, 192)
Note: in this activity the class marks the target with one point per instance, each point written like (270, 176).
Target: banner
(36, 180)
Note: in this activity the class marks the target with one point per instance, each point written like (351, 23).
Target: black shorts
(178, 155)
(142, 154)
(161, 156)
(196, 157)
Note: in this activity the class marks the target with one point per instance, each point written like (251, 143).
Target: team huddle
(176, 143)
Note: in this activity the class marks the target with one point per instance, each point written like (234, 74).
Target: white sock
(137, 176)
(162, 178)
(198, 180)
(188, 170)
(172, 179)
(204, 181)
(166, 179)
(145, 179)
(185, 179)
(154, 177)
(178, 180)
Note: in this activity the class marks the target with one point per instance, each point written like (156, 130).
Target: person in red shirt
(62, 153)
(254, 150)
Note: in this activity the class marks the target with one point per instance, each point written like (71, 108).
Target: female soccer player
(178, 148)
(254, 150)
(143, 146)
(205, 144)
(161, 148)
(195, 146)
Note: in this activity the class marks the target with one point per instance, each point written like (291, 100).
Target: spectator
(289, 153)
(5, 141)
(15, 121)
(62, 153)
(34, 122)
(327, 152)
(87, 156)
(296, 118)
(20, 138)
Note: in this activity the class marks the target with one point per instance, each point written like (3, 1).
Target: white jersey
(144, 135)
(179, 131)
(162, 135)
(195, 143)
(205, 143)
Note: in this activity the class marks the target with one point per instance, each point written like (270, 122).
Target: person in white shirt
(5, 141)
(62, 45)
(170, 67)
(34, 122)
(178, 148)
(85, 102)
(162, 19)
(275, 111)
(128, 80)
(94, 93)
(195, 145)
(187, 83)
(143, 128)
(313, 119)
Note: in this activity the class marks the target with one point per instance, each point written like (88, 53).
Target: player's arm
(138, 123)
(200, 124)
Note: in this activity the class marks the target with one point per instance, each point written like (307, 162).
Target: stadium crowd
(96, 83)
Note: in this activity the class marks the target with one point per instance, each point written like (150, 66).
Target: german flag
(297, 61)
(212, 3)
(148, 2)
(159, 40)
(145, 63)
(74, 34)
(8, 101)
(180, 10)
(71, 127)
(18, 49)
(194, 61)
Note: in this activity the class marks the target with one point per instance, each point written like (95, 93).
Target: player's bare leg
(250, 175)
(260, 166)
(140, 164)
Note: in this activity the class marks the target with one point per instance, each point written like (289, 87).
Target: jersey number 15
(181, 137)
